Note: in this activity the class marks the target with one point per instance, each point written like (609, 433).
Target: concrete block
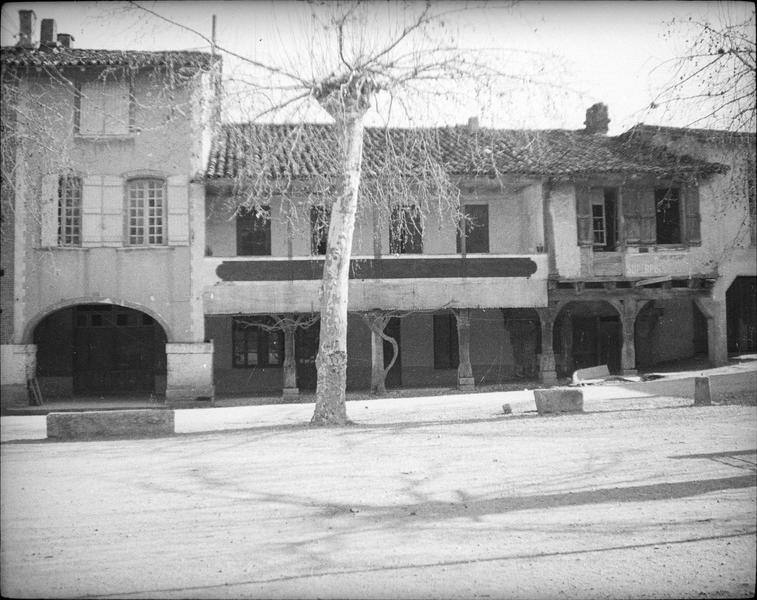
(559, 400)
(110, 424)
(466, 384)
(702, 396)
(290, 393)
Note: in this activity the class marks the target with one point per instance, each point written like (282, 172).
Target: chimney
(473, 124)
(597, 119)
(65, 39)
(48, 36)
(27, 21)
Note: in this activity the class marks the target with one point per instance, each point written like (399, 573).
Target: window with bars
(69, 211)
(146, 212)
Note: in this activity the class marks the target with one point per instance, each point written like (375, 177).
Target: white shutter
(112, 211)
(178, 210)
(48, 211)
(91, 117)
(116, 107)
(92, 209)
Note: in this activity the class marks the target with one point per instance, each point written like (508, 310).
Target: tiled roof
(307, 149)
(717, 135)
(72, 57)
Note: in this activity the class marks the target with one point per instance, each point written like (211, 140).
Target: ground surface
(441, 497)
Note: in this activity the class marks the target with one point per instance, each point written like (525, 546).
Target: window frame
(145, 213)
(125, 79)
(69, 233)
(320, 221)
(264, 340)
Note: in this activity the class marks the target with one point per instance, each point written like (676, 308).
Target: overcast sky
(601, 51)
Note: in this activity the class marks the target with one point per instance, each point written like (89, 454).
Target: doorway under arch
(100, 349)
(741, 308)
(587, 334)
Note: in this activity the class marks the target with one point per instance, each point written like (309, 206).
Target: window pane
(254, 232)
(69, 211)
(146, 207)
(406, 231)
(476, 229)
(668, 215)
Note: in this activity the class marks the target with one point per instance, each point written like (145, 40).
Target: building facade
(139, 258)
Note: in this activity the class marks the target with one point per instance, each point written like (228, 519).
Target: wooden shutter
(693, 217)
(91, 209)
(648, 216)
(91, 116)
(178, 210)
(631, 215)
(583, 214)
(112, 211)
(116, 107)
(48, 211)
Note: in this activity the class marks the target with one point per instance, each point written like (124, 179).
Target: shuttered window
(103, 107)
(146, 212)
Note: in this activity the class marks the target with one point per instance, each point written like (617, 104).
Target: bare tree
(715, 75)
(360, 55)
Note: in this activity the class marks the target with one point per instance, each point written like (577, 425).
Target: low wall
(110, 424)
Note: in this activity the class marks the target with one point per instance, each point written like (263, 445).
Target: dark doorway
(116, 349)
(305, 351)
(394, 377)
(597, 341)
(741, 313)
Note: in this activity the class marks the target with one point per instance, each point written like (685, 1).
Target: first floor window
(146, 212)
(254, 231)
(476, 229)
(320, 218)
(446, 354)
(69, 211)
(668, 215)
(254, 344)
(406, 231)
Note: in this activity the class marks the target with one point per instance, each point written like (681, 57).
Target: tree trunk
(331, 362)
(464, 370)
(290, 365)
(377, 323)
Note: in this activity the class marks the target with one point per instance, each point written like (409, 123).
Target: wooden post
(465, 381)
(291, 390)
(547, 371)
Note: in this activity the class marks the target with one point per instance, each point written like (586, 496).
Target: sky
(617, 52)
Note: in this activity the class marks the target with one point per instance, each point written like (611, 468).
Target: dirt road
(637, 501)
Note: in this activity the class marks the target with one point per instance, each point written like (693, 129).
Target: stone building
(129, 267)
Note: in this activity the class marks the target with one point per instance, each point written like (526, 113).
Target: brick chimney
(27, 22)
(48, 35)
(473, 124)
(65, 39)
(597, 120)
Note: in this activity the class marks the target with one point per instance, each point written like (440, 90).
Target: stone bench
(99, 424)
(559, 400)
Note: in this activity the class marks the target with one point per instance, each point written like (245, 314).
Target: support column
(629, 309)
(190, 372)
(547, 370)
(290, 391)
(717, 341)
(18, 363)
(465, 381)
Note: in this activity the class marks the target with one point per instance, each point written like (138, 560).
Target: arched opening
(100, 349)
(587, 334)
(741, 311)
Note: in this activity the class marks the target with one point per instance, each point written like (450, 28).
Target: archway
(741, 308)
(100, 349)
(587, 334)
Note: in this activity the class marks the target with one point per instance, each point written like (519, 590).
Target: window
(103, 107)
(445, 342)
(476, 229)
(254, 231)
(406, 231)
(320, 218)
(254, 346)
(146, 212)
(69, 211)
(668, 215)
(603, 219)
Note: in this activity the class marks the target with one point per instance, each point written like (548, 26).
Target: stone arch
(741, 306)
(32, 323)
(99, 348)
(587, 333)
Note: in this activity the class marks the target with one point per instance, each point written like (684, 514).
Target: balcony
(406, 282)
